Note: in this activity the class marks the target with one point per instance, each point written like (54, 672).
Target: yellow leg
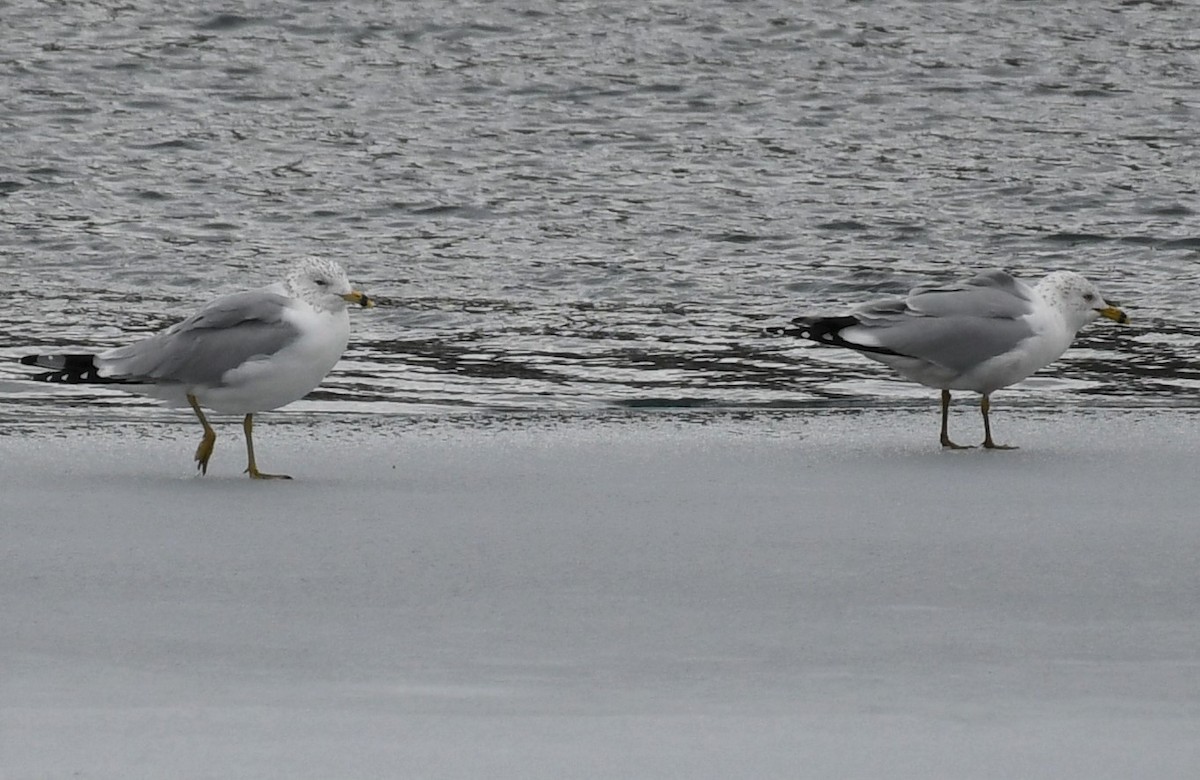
(252, 468)
(946, 425)
(985, 405)
(205, 450)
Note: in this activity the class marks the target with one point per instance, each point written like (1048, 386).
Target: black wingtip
(824, 330)
(66, 369)
(828, 331)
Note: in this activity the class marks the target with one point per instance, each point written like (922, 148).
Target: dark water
(568, 205)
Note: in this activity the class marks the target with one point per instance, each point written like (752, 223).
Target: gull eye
(1089, 297)
(323, 283)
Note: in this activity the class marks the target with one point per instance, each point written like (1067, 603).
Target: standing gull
(242, 353)
(987, 332)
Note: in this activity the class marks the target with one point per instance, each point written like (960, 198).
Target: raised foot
(204, 452)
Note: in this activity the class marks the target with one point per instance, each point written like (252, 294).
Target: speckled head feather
(1077, 299)
(319, 282)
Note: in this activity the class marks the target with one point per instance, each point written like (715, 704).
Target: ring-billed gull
(982, 334)
(242, 353)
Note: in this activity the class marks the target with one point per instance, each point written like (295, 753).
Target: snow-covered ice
(708, 596)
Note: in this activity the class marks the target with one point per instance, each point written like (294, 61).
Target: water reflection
(493, 354)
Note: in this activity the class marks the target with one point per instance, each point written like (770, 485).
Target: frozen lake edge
(717, 595)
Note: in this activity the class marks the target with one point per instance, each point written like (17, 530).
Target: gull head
(323, 284)
(1077, 299)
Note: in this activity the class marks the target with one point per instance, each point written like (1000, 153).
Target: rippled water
(568, 205)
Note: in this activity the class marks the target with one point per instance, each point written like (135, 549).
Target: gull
(981, 334)
(243, 353)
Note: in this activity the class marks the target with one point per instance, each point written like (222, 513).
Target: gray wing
(957, 343)
(956, 326)
(990, 294)
(221, 336)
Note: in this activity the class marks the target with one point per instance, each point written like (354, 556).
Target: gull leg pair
(985, 406)
(205, 450)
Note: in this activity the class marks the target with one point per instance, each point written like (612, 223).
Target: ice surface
(800, 595)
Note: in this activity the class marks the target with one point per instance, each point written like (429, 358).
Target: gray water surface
(566, 206)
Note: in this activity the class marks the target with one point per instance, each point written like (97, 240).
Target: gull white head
(1077, 299)
(323, 284)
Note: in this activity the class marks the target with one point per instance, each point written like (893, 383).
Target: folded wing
(200, 350)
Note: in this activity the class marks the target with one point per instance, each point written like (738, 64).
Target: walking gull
(987, 332)
(243, 353)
